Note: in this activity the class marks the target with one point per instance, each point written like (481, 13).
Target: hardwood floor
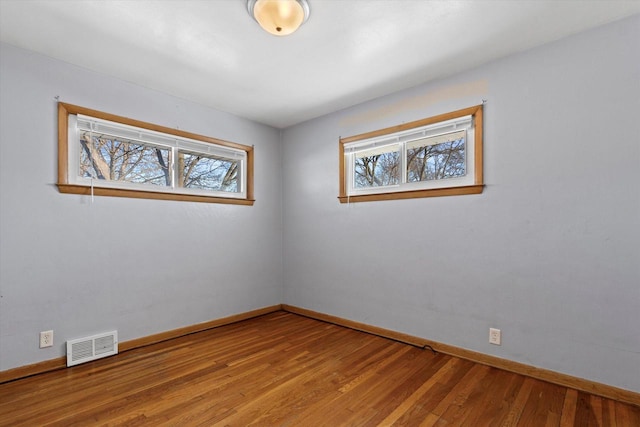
(282, 369)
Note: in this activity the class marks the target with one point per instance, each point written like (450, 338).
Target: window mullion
(403, 163)
(174, 168)
(348, 163)
(352, 172)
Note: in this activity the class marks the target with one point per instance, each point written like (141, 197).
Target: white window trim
(468, 120)
(152, 138)
(69, 180)
(403, 140)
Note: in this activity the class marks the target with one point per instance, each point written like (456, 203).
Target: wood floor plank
(545, 400)
(569, 409)
(497, 400)
(418, 394)
(446, 412)
(462, 413)
(283, 369)
(627, 415)
(406, 403)
(390, 385)
(419, 413)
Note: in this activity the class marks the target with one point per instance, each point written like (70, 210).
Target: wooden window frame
(478, 183)
(64, 186)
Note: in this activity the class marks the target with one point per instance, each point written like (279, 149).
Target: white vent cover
(92, 348)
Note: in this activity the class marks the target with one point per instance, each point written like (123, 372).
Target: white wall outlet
(46, 339)
(495, 336)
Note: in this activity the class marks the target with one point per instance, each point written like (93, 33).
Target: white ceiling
(349, 51)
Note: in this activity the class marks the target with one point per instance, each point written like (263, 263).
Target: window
(437, 156)
(104, 154)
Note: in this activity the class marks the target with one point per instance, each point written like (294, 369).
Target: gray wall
(138, 266)
(549, 253)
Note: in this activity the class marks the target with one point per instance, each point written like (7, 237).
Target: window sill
(413, 194)
(137, 194)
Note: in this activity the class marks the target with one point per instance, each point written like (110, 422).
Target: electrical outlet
(495, 336)
(46, 339)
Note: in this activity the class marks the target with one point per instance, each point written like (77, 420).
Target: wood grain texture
(156, 195)
(282, 369)
(414, 124)
(558, 378)
(61, 362)
(412, 194)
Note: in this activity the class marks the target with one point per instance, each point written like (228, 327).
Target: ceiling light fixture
(279, 17)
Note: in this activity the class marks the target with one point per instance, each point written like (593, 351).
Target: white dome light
(279, 17)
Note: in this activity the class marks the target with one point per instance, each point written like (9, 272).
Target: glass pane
(208, 172)
(112, 158)
(438, 161)
(377, 170)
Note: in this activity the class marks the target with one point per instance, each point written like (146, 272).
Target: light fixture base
(279, 17)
